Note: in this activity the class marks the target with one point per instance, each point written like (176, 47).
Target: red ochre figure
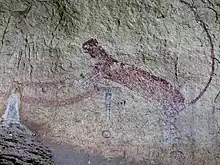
(149, 86)
(141, 81)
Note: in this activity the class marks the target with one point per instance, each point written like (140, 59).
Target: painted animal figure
(144, 83)
(147, 85)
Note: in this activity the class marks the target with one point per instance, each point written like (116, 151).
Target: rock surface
(67, 96)
(19, 146)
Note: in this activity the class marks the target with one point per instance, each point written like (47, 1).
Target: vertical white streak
(11, 114)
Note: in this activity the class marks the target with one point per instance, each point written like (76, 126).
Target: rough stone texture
(41, 49)
(19, 146)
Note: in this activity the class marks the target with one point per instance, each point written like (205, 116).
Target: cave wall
(153, 51)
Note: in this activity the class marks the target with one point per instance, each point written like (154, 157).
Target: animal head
(93, 48)
(90, 47)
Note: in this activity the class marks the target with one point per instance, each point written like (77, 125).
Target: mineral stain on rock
(12, 111)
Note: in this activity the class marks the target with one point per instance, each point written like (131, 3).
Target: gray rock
(19, 146)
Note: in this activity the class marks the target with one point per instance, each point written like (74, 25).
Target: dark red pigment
(147, 85)
(40, 100)
(57, 103)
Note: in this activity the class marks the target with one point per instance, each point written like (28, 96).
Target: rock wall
(19, 146)
(128, 92)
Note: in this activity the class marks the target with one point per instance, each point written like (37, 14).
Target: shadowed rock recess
(19, 146)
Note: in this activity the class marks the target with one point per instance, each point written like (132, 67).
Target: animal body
(147, 85)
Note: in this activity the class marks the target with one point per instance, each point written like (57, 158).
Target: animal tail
(210, 79)
(212, 69)
(204, 26)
